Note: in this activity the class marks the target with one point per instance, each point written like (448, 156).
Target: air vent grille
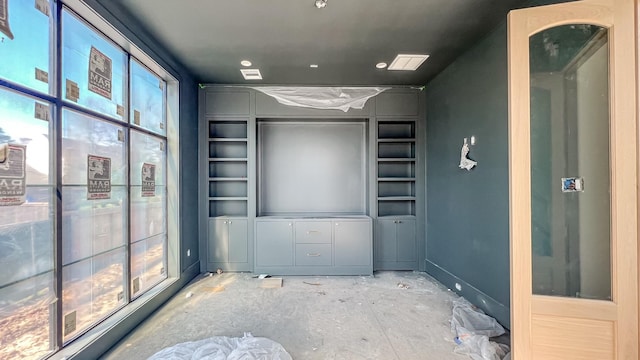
(251, 74)
(407, 62)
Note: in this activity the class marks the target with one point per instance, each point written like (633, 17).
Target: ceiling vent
(407, 62)
(251, 74)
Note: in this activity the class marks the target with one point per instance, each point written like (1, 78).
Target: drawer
(313, 232)
(313, 254)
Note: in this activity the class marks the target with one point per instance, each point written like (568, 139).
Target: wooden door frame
(624, 156)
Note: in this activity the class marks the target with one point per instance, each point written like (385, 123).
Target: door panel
(274, 243)
(218, 244)
(387, 249)
(238, 241)
(572, 126)
(406, 232)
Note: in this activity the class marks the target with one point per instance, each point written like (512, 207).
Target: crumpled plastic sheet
(318, 97)
(473, 328)
(225, 348)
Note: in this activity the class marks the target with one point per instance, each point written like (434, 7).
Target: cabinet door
(386, 247)
(274, 245)
(238, 241)
(406, 240)
(218, 240)
(352, 243)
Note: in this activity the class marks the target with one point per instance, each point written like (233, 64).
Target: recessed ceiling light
(407, 62)
(245, 63)
(313, 66)
(381, 65)
(251, 74)
(320, 4)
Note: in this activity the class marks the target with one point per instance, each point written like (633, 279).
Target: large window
(83, 177)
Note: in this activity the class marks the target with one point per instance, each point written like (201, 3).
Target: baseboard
(489, 305)
(99, 340)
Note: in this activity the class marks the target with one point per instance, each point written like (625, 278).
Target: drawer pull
(313, 232)
(313, 255)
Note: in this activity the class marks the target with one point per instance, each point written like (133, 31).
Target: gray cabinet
(274, 243)
(396, 244)
(352, 243)
(318, 246)
(228, 245)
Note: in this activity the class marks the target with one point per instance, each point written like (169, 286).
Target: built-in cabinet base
(228, 245)
(396, 246)
(318, 246)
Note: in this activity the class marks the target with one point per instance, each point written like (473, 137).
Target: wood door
(573, 181)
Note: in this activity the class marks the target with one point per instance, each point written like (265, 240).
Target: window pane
(91, 290)
(146, 149)
(91, 227)
(83, 136)
(25, 315)
(93, 69)
(147, 99)
(147, 213)
(147, 264)
(26, 228)
(25, 48)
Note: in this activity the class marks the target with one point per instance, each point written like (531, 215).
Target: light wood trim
(519, 185)
(571, 307)
(624, 181)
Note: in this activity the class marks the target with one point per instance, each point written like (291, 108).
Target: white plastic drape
(342, 98)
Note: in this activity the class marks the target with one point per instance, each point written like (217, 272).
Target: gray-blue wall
(467, 211)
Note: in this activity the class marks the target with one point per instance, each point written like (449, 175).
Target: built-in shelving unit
(396, 159)
(228, 168)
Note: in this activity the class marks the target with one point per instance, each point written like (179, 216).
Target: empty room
(319, 179)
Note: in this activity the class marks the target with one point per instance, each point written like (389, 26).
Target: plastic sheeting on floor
(473, 329)
(225, 348)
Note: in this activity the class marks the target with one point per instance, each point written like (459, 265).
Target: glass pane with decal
(25, 47)
(570, 170)
(147, 99)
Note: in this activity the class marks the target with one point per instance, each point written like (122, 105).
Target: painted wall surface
(468, 211)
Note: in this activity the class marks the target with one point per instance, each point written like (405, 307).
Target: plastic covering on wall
(225, 348)
(337, 98)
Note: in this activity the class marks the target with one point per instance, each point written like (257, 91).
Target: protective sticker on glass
(161, 126)
(120, 110)
(136, 285)
(136, 117)
(99, 73)
(572, 184)
(120, 135)
(12, 174)
(41, 111)
(4, 19)
(70, 323)
(42, 75)
(161, 146)
(98, 177)
(148, 180)
(43, 7)
(72, 90)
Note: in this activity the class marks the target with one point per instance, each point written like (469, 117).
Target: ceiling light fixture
(245, 63)
(381, 65)
(321, 4)
(313, 66)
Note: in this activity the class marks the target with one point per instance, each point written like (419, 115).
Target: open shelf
(396, 158)
(228, 168)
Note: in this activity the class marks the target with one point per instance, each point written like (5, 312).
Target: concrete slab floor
(391, 315)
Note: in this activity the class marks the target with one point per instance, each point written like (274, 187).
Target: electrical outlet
(458, 287)
(188, 252)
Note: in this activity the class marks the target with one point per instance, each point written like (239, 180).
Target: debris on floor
(189, 294)
(309, 283)
(225, 348)
(219, 271)
(473, 328)
(271, 283)
(402, 285)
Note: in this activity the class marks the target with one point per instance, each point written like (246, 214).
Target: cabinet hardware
(313, 232)
(313, 255)
(224, 222)
(229, 221)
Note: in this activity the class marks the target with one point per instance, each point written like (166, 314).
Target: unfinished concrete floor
(391, 315)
